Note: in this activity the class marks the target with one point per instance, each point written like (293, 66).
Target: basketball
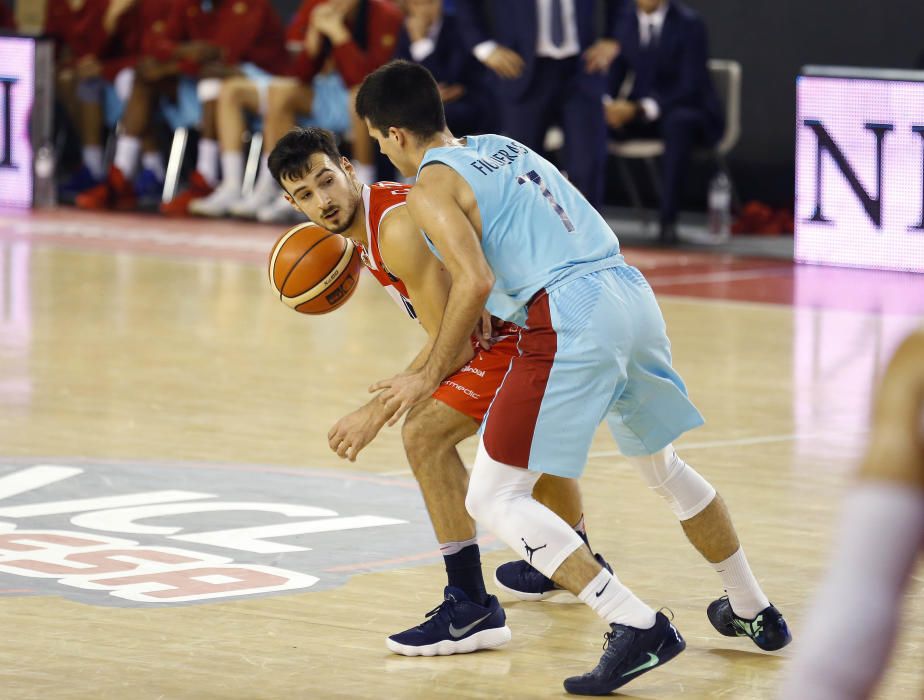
(313, 270)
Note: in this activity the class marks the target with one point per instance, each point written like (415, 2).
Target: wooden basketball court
(155, 399)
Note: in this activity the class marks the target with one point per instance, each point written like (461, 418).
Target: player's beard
(343, 225)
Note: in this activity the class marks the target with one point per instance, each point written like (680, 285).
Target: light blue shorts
(330, 107)
(186, 110)
(594, 348)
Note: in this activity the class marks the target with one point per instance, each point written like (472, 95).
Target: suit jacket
(515, 24)
(680, 74)
(451, 61)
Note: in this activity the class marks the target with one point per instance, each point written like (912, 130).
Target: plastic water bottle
(44, 191)
(720, 196)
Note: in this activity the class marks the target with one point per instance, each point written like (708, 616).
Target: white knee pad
(500, 498)
(666, 474)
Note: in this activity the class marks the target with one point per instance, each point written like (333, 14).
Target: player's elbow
(480, 283)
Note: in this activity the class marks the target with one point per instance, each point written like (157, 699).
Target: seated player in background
(92, 43)
(334, 44)
(322, 185)
(854, 620)
(187, 53)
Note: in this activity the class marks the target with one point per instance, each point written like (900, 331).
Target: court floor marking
(736, 442)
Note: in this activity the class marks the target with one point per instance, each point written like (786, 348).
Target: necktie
(557, 23)
(652, 34)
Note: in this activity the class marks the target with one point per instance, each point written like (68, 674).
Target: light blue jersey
(538, 231)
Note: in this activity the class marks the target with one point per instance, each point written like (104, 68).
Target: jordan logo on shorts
(531, 550)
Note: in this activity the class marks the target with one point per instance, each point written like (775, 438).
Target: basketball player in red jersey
(321, 184)
(857, 613)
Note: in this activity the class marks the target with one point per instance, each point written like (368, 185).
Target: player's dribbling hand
(401, 392)
(355, 430)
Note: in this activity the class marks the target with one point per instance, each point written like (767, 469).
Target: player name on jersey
(500, 158)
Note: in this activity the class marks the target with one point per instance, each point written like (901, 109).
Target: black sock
(464, 571)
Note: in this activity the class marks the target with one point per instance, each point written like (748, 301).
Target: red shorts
(471, 390)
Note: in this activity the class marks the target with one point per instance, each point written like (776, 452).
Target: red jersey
(471, 389)
(245, 31)
(380, 199)
(381, 23)
(75, 26)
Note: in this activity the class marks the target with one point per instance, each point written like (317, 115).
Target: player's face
(327, 194)
(393, 146)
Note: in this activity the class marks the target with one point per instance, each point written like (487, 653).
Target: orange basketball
(313, 270)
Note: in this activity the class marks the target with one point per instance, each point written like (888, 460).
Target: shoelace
(440, 611)
(610, 637)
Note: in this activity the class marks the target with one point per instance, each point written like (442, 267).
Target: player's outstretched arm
(435, 208)
(407, 256)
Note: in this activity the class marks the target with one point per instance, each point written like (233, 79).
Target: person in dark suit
(551, 63)
(430, 37)
(670, 96)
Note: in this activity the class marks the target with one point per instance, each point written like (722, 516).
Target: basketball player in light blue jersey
(520, 240)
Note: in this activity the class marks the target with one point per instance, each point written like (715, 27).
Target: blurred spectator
(7, 20)
(89, 48)
(431, 37)
(552, 62)
(352, 36)
(189, 46)
(670, 95)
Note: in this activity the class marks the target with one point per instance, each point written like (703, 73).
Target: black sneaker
(522, 581)
(628, 653)
(455, 626)
(768, 629)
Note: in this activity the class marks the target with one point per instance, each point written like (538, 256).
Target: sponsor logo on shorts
(463, 389)
(473, 370)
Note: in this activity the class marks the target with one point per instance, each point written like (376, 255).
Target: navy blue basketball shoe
(767, 629)
(521, 580)
(455, 626)
(628, 652)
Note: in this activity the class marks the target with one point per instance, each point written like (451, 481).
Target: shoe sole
(562, 595)
(486, 639)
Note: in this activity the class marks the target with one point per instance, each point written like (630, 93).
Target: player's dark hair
(291, 154)
(402, 94)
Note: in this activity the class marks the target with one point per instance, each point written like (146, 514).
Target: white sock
(232, 170)
(265, 186)
(126, 155)
(93, 159)
(744, 593)
(615, 603)
(154, 162)
(207, 160)
(365, 173)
